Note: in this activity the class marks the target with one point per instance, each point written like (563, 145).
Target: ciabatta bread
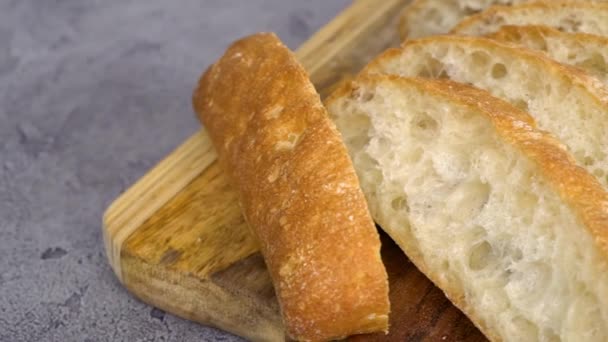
(567, 16)
(563, 100)
(491, 209)
(588, 52)
(297, 188)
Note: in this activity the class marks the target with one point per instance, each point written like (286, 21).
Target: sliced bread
(298, 190)
(585, 51)
(423, 18)
(492, 210)
(563, 100)
(567, 16)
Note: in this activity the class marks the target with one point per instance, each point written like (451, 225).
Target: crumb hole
(424, 126)
(480, 58)
(499, 71)
(445, 265)
(588, 161)
(433, 68)
(517, 255)
(400, 203)
(481, 255)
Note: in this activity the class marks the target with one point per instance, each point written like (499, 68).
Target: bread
(586, 51)
(491, 209)
(568, 16)
(563, 100)
(298, 190)
(423, 18)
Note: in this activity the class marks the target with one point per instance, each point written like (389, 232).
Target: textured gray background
(92, 94)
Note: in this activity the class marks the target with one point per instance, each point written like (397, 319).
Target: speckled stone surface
(92, 94)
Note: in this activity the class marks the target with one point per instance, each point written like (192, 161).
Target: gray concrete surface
(92, 94)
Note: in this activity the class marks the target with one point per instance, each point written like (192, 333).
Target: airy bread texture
(492, 210)
(563, 100)
(423, 18)
(298, 190)
(588, 52)
(567, 16)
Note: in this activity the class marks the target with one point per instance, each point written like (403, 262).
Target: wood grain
(126, 214)
(176, 239)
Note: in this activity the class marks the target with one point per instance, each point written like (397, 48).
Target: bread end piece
(297, 188)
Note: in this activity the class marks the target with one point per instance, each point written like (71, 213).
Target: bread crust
(511, 33)
(576, 187)
(297, 188)
(544, 8)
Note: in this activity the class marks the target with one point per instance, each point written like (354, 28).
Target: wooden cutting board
(176, 238)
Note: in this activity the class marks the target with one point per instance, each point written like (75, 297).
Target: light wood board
(176, 238)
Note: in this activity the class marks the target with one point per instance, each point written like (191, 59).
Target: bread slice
(563, 100)
(588, 52)
(492, 210)
(298, 190)
(567, 16)
(423, 18)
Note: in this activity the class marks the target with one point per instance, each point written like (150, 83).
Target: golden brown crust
(543, 8)
(298, 190)
(539, 33)
(579, 189)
